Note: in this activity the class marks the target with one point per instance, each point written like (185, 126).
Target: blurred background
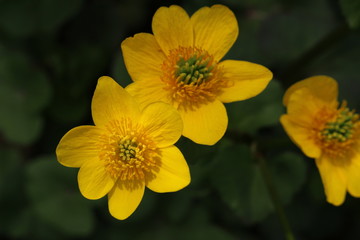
(53, 51)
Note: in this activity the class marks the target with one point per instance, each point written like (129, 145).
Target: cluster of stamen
(342, 128)
(194, 70)
(127, 153)
(337, 133)
(192, 77)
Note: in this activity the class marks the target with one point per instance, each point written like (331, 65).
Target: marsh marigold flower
(327, 131)
(126, 150)
(180, 64)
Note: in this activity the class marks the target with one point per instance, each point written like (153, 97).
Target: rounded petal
(172, 28)
(334, 180)
(143, 57)
(162, 123)
(79, 145)
(215, 29)
(246, 80)
(323, 87)
(303, 106)
(353, 174)
(206, 124)
(147, 92)
(94, 181)
(111, 101)
(301, 136)
(124, 198)
(173, 172)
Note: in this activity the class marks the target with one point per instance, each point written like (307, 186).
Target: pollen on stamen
(339, 131)
(192, 77)
(127, 152)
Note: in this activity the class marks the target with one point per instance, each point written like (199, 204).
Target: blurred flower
(327, 132)
(126, 150)
(179, 64)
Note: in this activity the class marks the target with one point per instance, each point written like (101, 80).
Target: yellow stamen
(192, 77)
(337, 130)
(127, 152)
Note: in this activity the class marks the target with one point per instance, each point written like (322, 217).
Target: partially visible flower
(326, 131)
(126, 150)
(180, 64)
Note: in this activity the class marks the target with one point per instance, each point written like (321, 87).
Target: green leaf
(261, 111)
(23, 18)
(351, 10)
(287, 34)
(55, 198)
(14, 219)
(239, 181)
(25, 91)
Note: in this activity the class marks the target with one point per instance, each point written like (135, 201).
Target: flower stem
(274, 196)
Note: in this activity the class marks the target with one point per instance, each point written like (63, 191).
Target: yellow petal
(146, 92)
(215, 29)
(78, 145)
(143, 57)
(162, 123)
(323, 87)
(172, 28)
(301, 136)
(353, 174)
(94, 180)
(206, 124)
(334, 180)
(304, 106)
(173, 172)
(125, 197)
(111, 101)
(246, 80)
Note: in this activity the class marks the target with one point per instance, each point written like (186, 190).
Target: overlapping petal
(94, 181)
(207, 124)
(323, 87)
(246, 80)
(143, 57)
(146, 92)
(162, 123)
(305, 106)
(125, 197)
(111, 101)
(353, 175)
(334, 179)
(172, 28)
(215, 29)
(173, 172)
(79, 145)
(301, 136)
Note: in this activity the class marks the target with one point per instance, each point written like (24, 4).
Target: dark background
(53, 51)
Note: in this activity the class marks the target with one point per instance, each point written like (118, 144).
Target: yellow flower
(326, 131)
(126, 150)
(180, 64)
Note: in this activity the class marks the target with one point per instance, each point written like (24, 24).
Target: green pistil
(127, 149)
(342, 128)
(194, 70)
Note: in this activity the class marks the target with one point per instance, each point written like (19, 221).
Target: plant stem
(274, 196)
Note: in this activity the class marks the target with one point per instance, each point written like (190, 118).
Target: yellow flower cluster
(179, 88)
(180, 83)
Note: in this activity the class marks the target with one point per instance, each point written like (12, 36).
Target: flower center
(192, 77)
(338, 132)
(194, 70)
(342, 128)
(127, 152)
